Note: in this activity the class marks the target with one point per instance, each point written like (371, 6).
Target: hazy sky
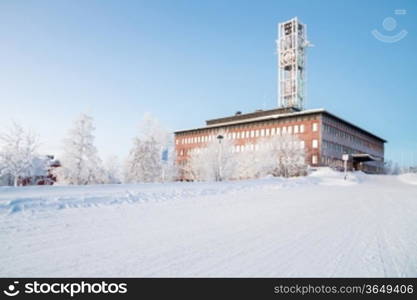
(188, 61)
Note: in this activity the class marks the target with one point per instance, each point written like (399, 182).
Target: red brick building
(324, 136)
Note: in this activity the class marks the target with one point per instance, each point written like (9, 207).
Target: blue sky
(188, 61)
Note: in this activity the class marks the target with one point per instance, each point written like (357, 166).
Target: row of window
(333, 131)
(314, 158)
(295, 129)
(253, 147)
(337, 147)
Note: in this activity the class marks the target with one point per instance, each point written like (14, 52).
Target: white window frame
(296, 128)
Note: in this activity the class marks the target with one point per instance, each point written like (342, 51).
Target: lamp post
(219, 174)
(345, 158)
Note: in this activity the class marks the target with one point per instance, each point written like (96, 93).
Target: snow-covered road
(314, 226)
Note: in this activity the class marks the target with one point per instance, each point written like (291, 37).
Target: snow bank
(410, 178)
(39, 198)
(328, 176)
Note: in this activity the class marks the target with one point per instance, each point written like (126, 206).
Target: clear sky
(188, 61)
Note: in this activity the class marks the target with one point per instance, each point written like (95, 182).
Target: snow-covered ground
(320, 225)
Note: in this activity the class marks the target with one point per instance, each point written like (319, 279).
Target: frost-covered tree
(18, 149)
(288, 155)
(80, 162)
(144, 162)
(214, 162)
(222, 159)
(150, 159)
(255, 161)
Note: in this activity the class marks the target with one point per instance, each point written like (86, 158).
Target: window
(262, 132)
(247, 133)
(314, 159)
(267, 132)
(301, 128)
(302, 144)
(252, 133)
(289, 129)
(315, 126)
(257, 133)
(295, 128)
(273, 131)
(278, 131)
(284, 130)
(315, 144)
(233, 135)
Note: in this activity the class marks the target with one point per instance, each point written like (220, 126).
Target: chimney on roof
(238, 113)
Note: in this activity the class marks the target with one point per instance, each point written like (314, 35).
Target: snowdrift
(37, 198)
(410, 178)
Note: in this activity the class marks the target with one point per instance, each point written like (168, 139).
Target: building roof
(272, 114)
(258, 113)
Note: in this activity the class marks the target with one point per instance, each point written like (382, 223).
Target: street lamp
(220, 138)
(345, 158)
